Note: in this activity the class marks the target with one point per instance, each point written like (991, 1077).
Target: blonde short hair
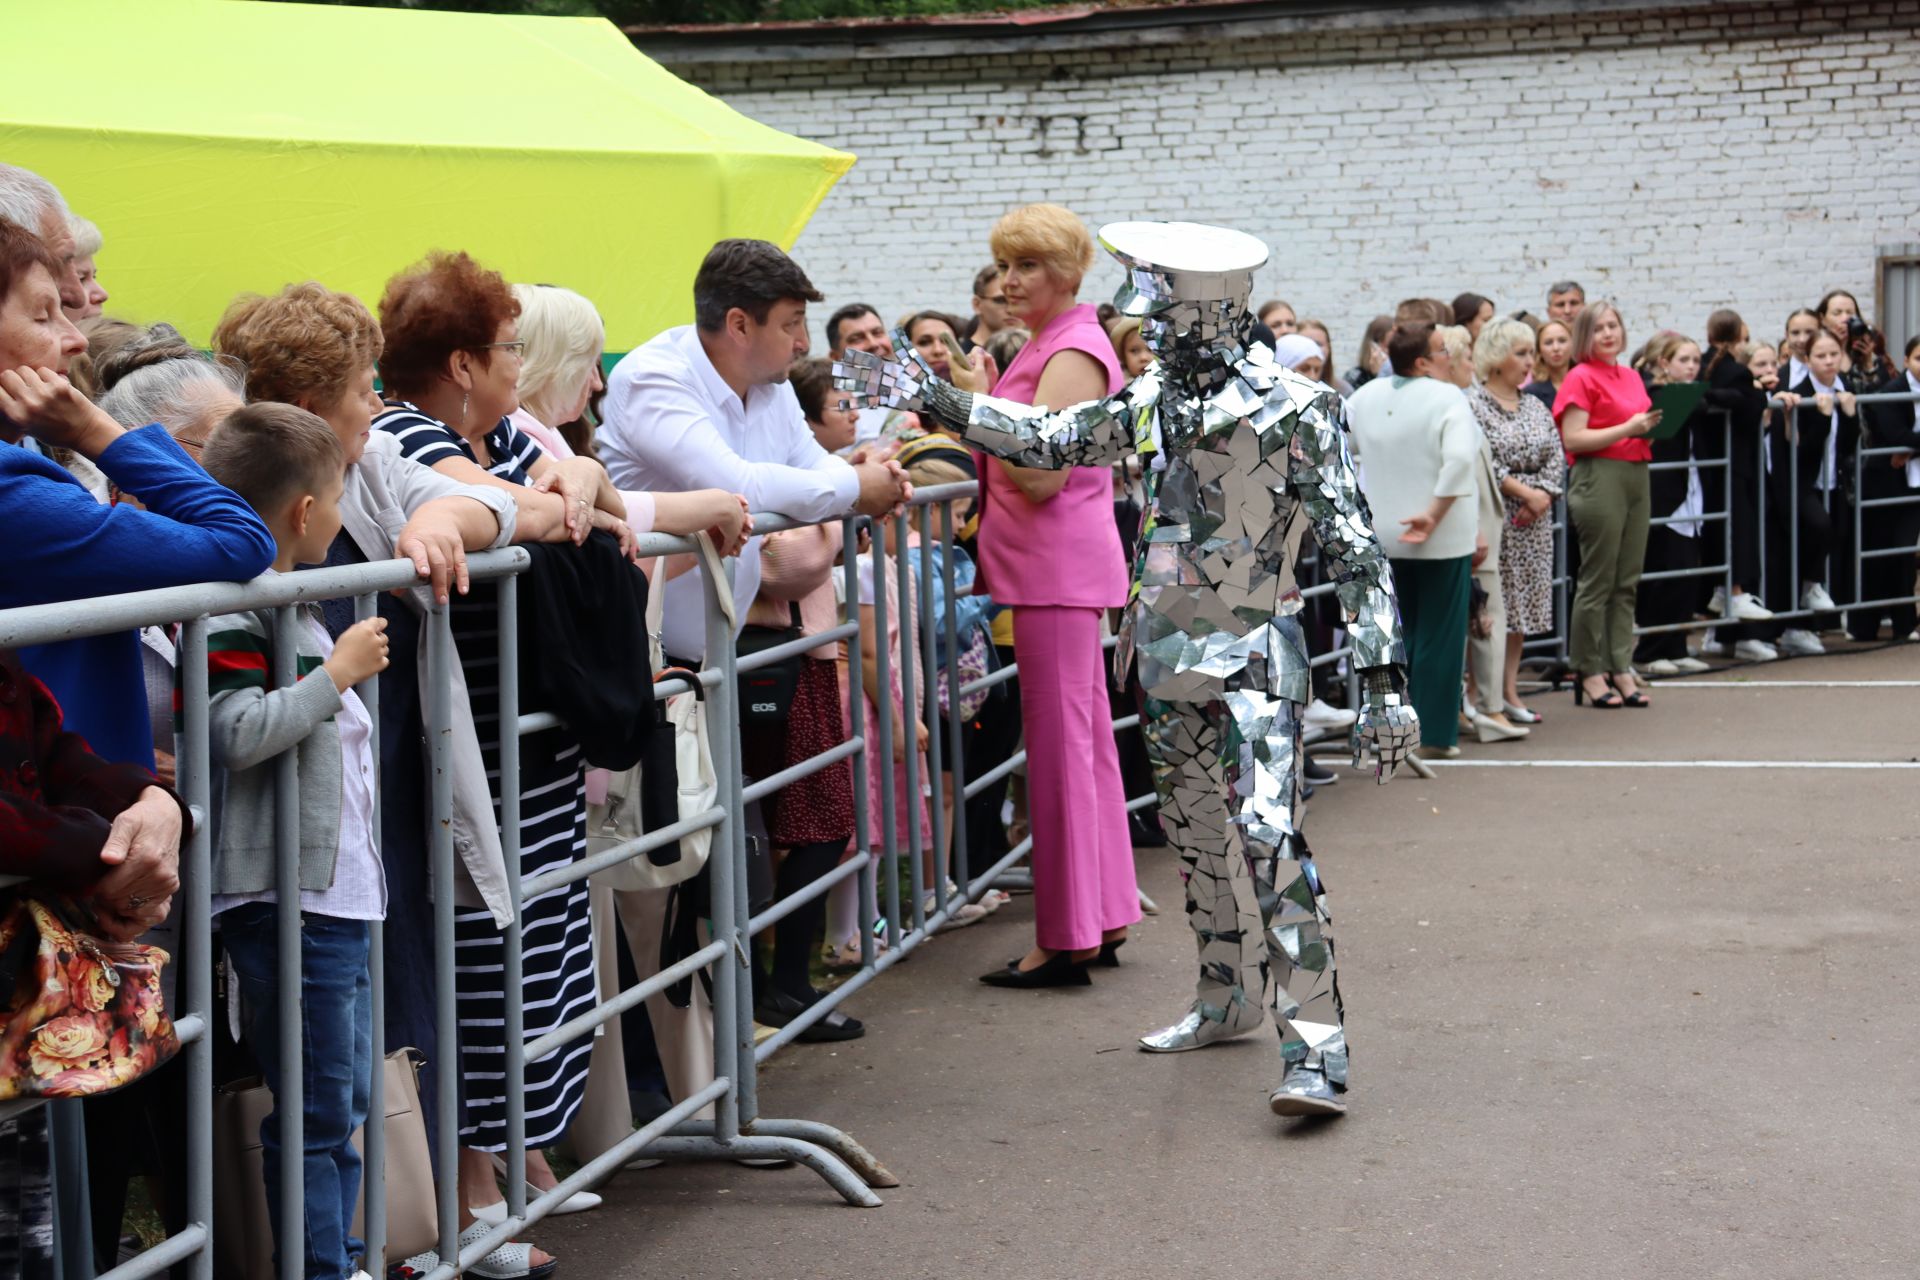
(1458, 341)
(1051, 233)
(86, 237)
(1498, 340)
(564, 337)
(1587, 321)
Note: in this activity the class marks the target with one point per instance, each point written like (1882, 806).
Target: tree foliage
(663, 12)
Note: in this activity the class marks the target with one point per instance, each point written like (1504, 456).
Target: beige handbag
(617, 819)
(243, 1234)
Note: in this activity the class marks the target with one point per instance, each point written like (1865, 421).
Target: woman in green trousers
(1604, 416)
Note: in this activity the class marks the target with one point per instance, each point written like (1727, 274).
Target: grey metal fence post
(888, 844)
(194, 772)
(290, 1100)
(1859, 565)
(929, 661)
(513, 960)
(956, 741)
(1727, 483)
(373, 1183)
(863, 760)
(1562, 584)
(909, 706)
(439, 727)
(733, 972)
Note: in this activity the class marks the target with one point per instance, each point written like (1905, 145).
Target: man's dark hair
(1407, 345)
(751, 275)
(852, 311)
(983, 279)
(272, 453)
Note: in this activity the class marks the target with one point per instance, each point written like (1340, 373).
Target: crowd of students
(464, 413)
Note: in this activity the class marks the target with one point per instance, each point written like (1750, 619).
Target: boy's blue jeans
(336, 1069)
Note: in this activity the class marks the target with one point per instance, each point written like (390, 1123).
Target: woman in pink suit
(1049, 548)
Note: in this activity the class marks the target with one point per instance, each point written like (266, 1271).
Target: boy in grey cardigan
(289, 466)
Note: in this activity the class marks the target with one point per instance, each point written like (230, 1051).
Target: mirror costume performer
(1242, 457)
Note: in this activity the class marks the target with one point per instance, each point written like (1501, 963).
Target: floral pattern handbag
(84, 1016)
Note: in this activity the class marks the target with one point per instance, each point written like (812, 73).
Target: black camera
(1856, 329)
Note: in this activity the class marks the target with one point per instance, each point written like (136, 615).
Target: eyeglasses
(518, 346)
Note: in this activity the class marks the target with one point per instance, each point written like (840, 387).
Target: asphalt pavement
(1632, 998)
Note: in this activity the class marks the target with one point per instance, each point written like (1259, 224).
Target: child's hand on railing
(359, 653)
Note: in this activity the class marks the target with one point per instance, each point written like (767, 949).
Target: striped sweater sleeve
(250, 721)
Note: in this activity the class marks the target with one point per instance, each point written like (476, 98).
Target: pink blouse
(1064, 551)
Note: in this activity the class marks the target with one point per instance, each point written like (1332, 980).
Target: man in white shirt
(858, 327)
(708, 405)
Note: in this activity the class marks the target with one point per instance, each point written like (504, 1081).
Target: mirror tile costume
(1243, 457)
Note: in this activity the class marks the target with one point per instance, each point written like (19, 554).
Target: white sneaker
(1717, 606)
(1802, 644)
(1747, 608)
(1816, 597)
(1690, 666)
(1710, 646)
(1663, 667)
(1321, 716)
(1754, 651)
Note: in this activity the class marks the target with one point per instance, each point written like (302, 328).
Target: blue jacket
(61, 544)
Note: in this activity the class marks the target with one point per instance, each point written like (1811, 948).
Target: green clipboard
(1676, 402)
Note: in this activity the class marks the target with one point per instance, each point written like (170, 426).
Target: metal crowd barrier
(738, 1129)
(1554, 644)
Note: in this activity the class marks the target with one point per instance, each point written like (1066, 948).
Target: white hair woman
(1532, 469)
(86, 243)
(560, 375)
(1604, 415)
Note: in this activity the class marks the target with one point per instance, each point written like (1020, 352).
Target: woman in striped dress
(450, 370)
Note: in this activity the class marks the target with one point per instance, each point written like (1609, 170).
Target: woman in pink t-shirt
(1604, 416)
(1049, 548)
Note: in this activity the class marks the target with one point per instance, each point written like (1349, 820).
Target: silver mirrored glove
(873, 382)
(1387, 725)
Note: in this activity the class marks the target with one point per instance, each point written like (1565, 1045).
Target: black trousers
(1667, 600)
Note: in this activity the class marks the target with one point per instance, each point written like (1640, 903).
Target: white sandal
(511, 1261)
(496, 1213)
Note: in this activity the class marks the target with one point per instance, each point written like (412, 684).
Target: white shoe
(1747, 608)
(1816, 597)
(1690, 666)
(1711, 648)
(1801, 644)
(1489, 729)
(1717, 606)
(1754, 651)
(1321, 716)
(1663, 667)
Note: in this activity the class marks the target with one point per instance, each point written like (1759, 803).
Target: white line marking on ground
(1786, 684)
(1675, 764)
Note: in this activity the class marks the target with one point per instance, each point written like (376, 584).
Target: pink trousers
(1082, 851)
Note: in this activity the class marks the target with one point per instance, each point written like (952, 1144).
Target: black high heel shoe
(1109, 957)
(1634, 699)
(1059, 970)
(1608, 701)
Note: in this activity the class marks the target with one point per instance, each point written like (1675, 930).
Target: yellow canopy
(226, 146)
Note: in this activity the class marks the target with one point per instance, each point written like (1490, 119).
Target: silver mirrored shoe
(1306, 1092)
(1197, 1030)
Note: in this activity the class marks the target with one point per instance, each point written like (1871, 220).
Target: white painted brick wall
(1748, 156)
